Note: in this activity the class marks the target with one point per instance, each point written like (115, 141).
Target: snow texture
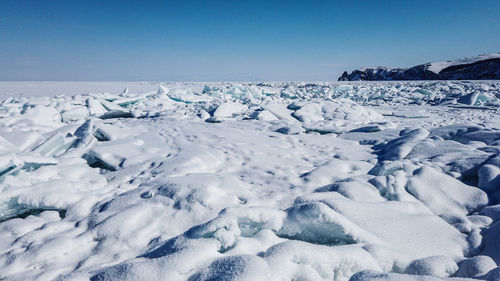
(250, 181)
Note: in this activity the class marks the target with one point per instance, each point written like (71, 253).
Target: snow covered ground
(250, 181)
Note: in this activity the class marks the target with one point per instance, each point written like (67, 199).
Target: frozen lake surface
(249, 181)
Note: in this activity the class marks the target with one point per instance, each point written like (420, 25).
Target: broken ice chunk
(213, 120)
(124, 93)
(101, 135)
(385, 168)
(266, 115)
(469, 99)
(334, 116)
(101, 159)
(230, 109)
(367, 129)
(116, 114)
(309, 113)
(186, 96)
(123, 153)
(33, 162)
(424, 92)
(381, 223)
(84, 133)
(75, 114)
(42, 115)
(23, 140)
(56, 145)
(162, 90)
(482, 100)
(303, 223)
(126, 102)
(9, 163)
(280, 111)
(105, 132)
(203, 114)
(10, 209)
(6, 146)
(290, 129)
(95, 107)
(110, 106)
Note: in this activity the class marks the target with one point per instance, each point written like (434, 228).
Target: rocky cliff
(484, 67)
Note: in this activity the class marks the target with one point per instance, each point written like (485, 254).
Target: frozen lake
(249, 181)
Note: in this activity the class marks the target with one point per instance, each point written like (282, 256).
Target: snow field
(274, 181)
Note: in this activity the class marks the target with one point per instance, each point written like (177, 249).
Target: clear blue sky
(235, 40)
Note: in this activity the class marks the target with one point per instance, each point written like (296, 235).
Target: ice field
(250, 181)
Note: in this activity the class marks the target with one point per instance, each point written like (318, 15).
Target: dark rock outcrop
(485, 67)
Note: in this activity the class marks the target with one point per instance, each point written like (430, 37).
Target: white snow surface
(436, 67)
(250, 181)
